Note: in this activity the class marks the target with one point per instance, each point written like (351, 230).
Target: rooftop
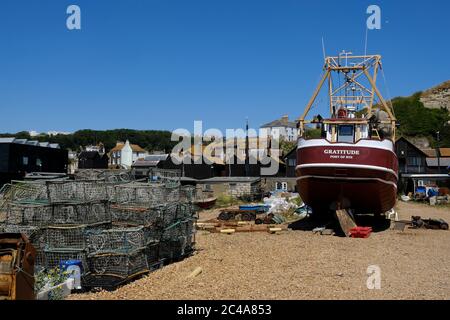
(136, 148)
(30, 142)
(150, 160)
(282, 122)
(445, 152)
(433, 162)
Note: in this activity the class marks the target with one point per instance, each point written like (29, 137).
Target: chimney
(285, 119)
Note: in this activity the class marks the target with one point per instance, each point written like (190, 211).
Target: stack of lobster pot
(164, 209)
(55, 216)
(115, 231)
(78, 208)
(116, 256)
(26, 210)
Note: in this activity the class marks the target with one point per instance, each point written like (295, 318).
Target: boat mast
(360, 75)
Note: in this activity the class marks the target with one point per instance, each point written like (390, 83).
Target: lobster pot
(178, 239)
(120, 240)
(19, 191)
(139, 194)
(116, 176)
(152, 252)
(14, 228)
(175, 230)
(38, 240)
(121, 265)
(152, 234)
(94, 191)
(136, 215)
(169, 214)
(186, 211)
(53, 258)
(64, 191)
(108, 282)
(190, 233)
(81, 213)
(113, 176)
(87, 174)
(111, 191)
(187, 194)
(66, 237)
(171, 193)
(173, 249)
(29, 214)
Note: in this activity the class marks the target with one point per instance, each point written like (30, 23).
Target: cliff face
(437, 97)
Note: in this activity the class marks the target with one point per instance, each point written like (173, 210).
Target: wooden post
(330, 90)
(345, 220)
(375, 71)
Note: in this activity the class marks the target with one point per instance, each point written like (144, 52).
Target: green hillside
(148, 139)
(416, 120)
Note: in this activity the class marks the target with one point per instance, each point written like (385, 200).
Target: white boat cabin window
(346, 132)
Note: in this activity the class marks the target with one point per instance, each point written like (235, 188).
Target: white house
(125, 154)
(283, 128)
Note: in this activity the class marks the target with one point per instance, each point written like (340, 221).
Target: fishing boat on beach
(352, 165)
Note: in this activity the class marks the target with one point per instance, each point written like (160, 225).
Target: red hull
(359, 176)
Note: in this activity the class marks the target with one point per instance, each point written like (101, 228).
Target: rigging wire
(365, 43)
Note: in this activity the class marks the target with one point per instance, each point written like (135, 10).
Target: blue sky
(161, 64)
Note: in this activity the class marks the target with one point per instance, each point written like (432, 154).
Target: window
(38, 162)
(345, 133)
(346, 130)
(292, 162)
(414, 161)
(25, 161)
(282, 186)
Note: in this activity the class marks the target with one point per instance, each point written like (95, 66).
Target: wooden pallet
(230, 228)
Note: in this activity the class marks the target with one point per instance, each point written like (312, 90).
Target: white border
(387, 145)
(343, 165)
